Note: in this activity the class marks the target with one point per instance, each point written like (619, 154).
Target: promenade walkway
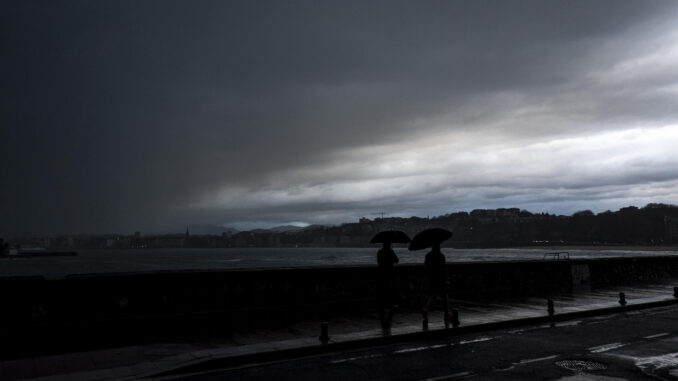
(149, 361)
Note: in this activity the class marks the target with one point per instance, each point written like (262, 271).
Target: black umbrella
(429, 238)
(390, 236)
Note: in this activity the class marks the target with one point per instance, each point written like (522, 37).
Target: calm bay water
(134, 260)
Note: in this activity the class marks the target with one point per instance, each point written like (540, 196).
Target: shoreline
(601, 248)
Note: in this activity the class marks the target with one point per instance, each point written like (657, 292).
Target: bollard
(455, 318)
(675, 292)
(622, 298)
(424, 325)
(324, 332)
(549, 307)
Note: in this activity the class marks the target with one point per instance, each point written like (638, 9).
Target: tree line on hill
(653, 224)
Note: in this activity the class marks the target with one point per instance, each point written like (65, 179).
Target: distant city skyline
(147, 116)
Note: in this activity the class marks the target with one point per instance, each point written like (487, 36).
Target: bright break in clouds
(123, 116)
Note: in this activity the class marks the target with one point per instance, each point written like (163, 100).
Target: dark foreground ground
(517, 352)
(639, 345)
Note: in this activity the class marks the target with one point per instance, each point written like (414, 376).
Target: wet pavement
(150, 360)
(635, 345)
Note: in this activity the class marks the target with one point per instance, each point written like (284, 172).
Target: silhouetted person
(437, 282)
(386, 258)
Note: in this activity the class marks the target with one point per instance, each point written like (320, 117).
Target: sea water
(140, 260)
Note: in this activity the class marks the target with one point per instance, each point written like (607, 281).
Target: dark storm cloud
(119, 116)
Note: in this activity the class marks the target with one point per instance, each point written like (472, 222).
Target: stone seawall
(150, 306)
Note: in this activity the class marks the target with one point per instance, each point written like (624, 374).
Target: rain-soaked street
(630, 346)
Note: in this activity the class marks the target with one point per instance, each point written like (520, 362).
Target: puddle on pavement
(651, 364)
(669, 360)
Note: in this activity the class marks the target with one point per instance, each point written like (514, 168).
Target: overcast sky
(120, 116)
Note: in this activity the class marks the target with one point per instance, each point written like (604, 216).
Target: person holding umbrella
(437, 281)
(386, 282)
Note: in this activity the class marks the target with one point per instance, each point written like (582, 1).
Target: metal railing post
(549, 307)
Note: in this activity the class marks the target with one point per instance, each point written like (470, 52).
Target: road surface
(639, 345)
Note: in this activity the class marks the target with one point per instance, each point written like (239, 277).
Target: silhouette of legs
(427, 306)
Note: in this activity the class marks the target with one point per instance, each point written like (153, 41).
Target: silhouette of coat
(436, 272)
(386, 258)
(386, 281)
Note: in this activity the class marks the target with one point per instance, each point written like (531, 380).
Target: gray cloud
(128, 115)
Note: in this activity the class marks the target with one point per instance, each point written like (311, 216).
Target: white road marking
(475, 340)
(441, 346)
(657, 335)
(606, 347)
(456, 376)
(356, 358)
(527, 361)
(417, 349)
(536, 360)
